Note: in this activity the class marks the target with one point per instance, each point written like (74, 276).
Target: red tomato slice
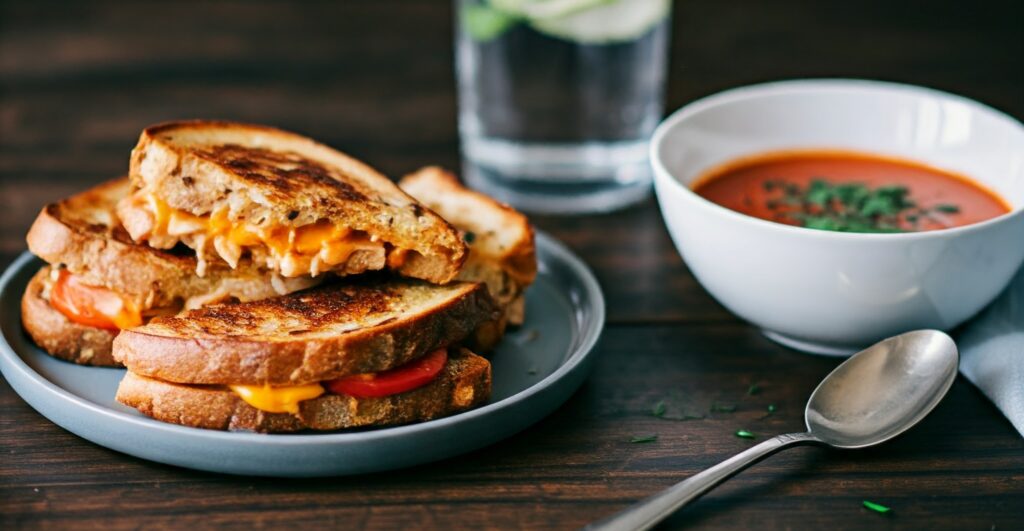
(410, 376)
(91, 305)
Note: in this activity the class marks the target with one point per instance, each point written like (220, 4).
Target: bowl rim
(663, 177)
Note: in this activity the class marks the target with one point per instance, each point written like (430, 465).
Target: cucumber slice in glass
(484, 23)
(535, 9)
(602, 23)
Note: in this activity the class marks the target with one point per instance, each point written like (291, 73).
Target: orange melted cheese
(297, 251)
(127, 317)
(277, 399)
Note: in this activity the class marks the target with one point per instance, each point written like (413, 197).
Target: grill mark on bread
(285, 172)
(306, 310)
(425, 318)
(350, 301)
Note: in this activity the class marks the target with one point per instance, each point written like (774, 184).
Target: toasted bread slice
(464, 383)
(496, 233)
(502, 253)
(359, 326)
(230, 190)
(54, 333)
(82, 233)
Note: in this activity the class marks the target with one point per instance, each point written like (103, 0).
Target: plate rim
(579, 352)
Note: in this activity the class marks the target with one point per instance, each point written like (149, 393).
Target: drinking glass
(558, 99)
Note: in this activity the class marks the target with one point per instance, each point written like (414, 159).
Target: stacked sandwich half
(253, 279)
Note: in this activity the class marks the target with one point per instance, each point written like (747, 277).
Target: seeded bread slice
(347, 327)
(270, 179)
(464, 383)
(56, 334)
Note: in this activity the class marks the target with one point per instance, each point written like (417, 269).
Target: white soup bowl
(834, 292)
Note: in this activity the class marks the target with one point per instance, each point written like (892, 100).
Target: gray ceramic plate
(535, 369)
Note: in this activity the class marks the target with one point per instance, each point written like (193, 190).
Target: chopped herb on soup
(849, 192)
(851, 207)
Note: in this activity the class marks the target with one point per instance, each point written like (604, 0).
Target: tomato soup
(849, 192)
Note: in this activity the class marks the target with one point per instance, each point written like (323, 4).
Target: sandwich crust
(59, 336)
(500, 234)
(83, 234)
(464, 383)
(502, 251)
(267, 179)
(362, 326)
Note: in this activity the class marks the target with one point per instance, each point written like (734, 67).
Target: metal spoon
(877, 394)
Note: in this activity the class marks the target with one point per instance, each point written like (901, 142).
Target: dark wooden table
(79, 80)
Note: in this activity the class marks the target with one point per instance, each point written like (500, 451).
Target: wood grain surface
(78, 80)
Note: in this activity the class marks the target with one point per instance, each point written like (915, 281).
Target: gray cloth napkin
(992, 352)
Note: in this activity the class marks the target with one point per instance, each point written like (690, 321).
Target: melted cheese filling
(277, 399)
(287, 398)
(128, 317)
(294, 251)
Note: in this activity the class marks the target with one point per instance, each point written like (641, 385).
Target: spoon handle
(645, 513)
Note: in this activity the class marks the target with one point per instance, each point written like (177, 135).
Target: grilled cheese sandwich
(464, 382)
(100, 282)
(295, 207)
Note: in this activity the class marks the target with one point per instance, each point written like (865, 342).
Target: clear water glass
(558, 99)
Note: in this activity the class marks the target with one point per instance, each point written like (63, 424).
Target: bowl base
(812, 347)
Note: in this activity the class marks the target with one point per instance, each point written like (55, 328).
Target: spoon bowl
(883, 390)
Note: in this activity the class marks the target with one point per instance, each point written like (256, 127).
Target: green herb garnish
(876, 507)
(659, 409)
(850, 207)
(753, 389)
(643, 438)
(745, 434)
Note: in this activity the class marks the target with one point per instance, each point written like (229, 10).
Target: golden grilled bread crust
(335, 330)
(464, 383)
(501, 234)
(83, 234)
(502, 253)
(54, 333)
(281, 179)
